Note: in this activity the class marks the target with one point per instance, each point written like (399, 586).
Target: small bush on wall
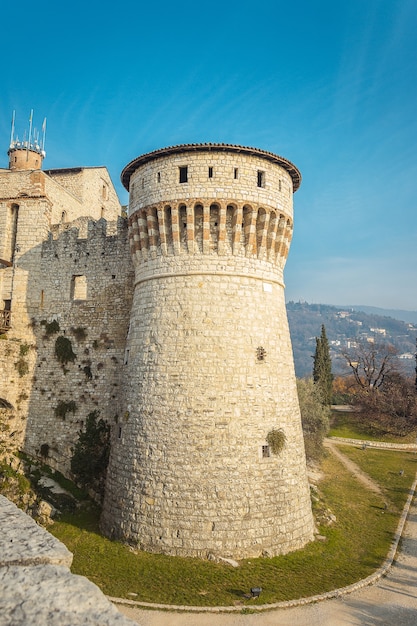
(79, 333)
(51, 327)
(276, 440)
(91, 454)
(63, 408)
(44, 450)
(63, 350)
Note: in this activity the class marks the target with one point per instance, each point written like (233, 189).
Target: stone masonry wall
(233, 176)
(17, 360)
(45, 266)
(96, 326)
(208, 369)
(93, 188)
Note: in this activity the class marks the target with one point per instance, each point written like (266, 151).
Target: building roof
(210, 147)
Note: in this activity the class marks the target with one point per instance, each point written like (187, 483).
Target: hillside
(398, 314)
(344, 327)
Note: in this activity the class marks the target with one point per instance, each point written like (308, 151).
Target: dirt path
(354, 469)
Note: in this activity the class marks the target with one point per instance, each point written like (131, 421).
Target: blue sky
(330, 85)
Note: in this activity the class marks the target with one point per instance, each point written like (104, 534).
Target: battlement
(85, 228)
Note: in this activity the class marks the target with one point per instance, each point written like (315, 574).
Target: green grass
(385, 467)
(350, 426)
(356, 545)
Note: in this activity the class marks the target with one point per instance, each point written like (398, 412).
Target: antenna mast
(43, 136)
(30, 134)
(12, 132)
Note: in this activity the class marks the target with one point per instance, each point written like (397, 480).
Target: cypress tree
(322, 367)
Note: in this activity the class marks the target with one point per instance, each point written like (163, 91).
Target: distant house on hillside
(379, 331)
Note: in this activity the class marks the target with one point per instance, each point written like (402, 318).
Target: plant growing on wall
(63, 408)
(79, 333)
(276, 440)
(50, 327)
(91, 454)
(63, 350)
(21, 364)
(87, 371)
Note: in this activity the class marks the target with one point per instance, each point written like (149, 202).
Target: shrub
(24, 349)
(63, 350)
(315, 417)
(276, 440)
(44, 450)
(63, 408)
(22, 367)
(79, 333)
(91, 454)
(88, 373)
(51, 327)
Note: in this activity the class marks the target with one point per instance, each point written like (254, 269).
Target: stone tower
(208, 366)
(25, 156)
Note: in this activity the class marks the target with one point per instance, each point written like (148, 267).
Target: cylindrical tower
(209, 374)
(23, 157)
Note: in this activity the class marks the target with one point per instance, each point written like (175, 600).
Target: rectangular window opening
(266, 453)
(261, 178)
(159, 177)
(79, 288)
(184, 174)
(236, 173)
(210, 172)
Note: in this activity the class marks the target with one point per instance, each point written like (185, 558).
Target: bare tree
(370, 364)
(385, 395)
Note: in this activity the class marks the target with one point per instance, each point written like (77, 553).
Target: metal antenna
(12, 133)
(43, 135)
(30, 134)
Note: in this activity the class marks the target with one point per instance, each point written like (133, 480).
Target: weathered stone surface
(51, 595)
(209, 368)
(23, 542)
(36, 586)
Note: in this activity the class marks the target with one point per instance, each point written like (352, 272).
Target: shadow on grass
(85, 517)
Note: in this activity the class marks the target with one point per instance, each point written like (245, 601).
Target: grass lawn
(393, 471)
(356, 545)
(350, 426)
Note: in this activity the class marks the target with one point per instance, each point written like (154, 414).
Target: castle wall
(96, 326)
(45, 264)
(17, 361)
(91, 186)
